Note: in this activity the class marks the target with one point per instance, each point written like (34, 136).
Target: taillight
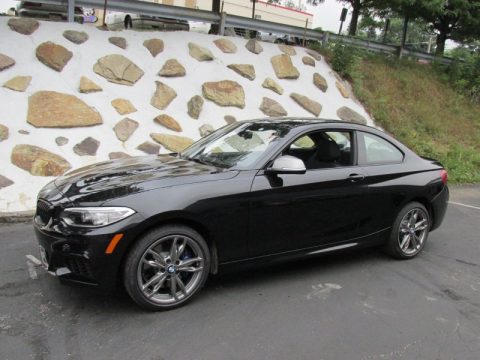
(444, 176)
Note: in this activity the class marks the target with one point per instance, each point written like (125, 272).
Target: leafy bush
(464, 72)
(344, 59)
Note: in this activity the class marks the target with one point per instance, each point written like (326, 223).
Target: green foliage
(344, 59)
(464, 72)
(418, 36)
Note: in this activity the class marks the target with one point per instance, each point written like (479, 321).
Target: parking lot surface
(354, 305)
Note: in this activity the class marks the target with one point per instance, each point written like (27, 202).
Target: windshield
(237, 146)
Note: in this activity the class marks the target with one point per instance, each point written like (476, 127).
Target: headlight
(95, 216)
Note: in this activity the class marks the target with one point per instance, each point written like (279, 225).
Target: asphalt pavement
(354, 305)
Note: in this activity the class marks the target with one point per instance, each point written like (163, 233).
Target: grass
(414, 103)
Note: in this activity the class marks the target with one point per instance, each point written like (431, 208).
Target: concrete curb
(16, 217)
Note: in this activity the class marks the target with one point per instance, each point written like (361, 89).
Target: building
(263, 10)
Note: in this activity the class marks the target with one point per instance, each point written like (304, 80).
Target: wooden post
(104, 13)
(305, 31)
(223, 18)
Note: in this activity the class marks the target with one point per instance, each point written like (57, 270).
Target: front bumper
(81, 258)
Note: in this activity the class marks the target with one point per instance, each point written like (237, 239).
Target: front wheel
(410, 231)
(166, 267)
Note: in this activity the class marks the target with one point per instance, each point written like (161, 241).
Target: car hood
(111, 179)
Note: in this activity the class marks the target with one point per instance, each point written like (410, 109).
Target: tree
(455, 19)
(358, 6)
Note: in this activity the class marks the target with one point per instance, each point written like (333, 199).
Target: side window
(322, 149)
(375, 150)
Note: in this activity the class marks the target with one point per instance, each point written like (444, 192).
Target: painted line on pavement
(465, 205)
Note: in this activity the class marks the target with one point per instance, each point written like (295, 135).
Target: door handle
(356, 177)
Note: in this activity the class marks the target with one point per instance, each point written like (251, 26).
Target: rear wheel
(166, 267)
(410, 231)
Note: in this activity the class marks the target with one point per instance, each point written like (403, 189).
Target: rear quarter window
(375, 150)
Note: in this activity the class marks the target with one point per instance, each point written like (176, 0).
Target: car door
(326, 205)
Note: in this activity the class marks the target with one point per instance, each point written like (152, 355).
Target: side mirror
(287, 165)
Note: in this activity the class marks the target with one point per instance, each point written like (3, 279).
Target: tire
(127, 22)
(409, 232)
(159, 278)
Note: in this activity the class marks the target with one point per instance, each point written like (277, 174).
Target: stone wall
(71, 95)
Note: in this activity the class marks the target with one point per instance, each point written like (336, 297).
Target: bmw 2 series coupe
(251, 192)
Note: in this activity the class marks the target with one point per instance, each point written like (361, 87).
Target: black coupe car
(253, 191)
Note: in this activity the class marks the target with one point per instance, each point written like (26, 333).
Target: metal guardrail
(225, 20)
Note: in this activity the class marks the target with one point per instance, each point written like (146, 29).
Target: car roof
(305, 121)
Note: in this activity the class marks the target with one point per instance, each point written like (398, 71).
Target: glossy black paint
(244, 215)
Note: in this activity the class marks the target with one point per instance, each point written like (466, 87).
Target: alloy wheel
(170, 270)
(413, 231)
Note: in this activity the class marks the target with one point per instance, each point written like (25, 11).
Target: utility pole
(253, 9)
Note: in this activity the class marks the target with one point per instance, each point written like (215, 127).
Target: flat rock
(347, 114)
(200, 53)
(168, 122)
(245, 70)
(87, 146)
(155, 46)
(343, 90)
(308, 104)
(254, 46)
(172, 68)
(25, 26)
(284, 69)
(4, 182)
(114, 155)
(119, 41)
(206, 130)
(224, 93)
(53, 55)
(18, 83)
(125, 128)
(53, 109)
(320, 82)
(6, 62)
(287, 49)
(149, 148)
(123, 106)
(76, 37)
(229, 119)
(118, 69)
(271, 84)
(308, 60)
(314, 54)
(88, 86)
(61, 140)
(195, 105)
(226, 46)
(173, 143)
(163, 96)
(271, 107)
(3, 132)
(38, 161)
